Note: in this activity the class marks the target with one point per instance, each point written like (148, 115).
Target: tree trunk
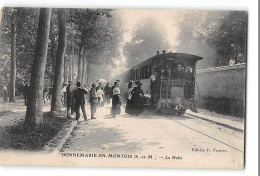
(59, 69)
(13, 62)
(34, 107)
(53, 58)
(72, 59)
(88, 74)
(69, 68)
(83, 71)
(81, 49)
(66, 64)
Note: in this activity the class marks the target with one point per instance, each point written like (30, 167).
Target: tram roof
(178, 55)
(171, 55)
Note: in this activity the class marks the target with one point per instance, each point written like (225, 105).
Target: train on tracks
(169, 81)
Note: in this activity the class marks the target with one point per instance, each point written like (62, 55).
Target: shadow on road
(96, 136)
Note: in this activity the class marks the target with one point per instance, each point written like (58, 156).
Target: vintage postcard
(123, 87)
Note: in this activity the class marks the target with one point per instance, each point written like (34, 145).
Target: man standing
(107, 90)
(93, 100)
(80, 101)
(179, 74)
(189, 84)
(69, 90)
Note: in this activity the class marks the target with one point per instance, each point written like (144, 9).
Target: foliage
(99, 31)
(217, 36)
(26, 24)
(147, 38)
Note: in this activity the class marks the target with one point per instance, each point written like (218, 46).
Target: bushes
(224, 105)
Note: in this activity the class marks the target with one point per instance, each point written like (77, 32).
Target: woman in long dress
(129, 104)
(137, 98)
(100, 94)
(116, 102)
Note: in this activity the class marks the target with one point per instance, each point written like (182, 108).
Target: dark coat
(189, 76)
(179, 75)
(93, 96)
(78, 95)
(137, 100)
(69, 90)
(137, 96)
(107, 90)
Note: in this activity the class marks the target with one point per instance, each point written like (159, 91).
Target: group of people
(98, 96)
(135, 99)
(76, 100)
(181, 78)
(177, 74)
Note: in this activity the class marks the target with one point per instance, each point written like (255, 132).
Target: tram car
(169, 81)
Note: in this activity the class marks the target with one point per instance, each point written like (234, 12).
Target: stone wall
(222, 89)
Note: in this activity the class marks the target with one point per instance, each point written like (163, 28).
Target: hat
(138, 83)
(188, 67)
(179, 65)
(78, 84)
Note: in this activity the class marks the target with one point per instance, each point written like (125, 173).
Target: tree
(26, 27)
(147, 38)
(13, 59)
(34, 108)
(217, 36)
(59, 68)
(230, 39)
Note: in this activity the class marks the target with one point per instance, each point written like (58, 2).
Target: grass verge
(20, 137)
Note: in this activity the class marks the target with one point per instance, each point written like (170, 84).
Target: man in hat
(189, 84)
(112, 88)
(179, 74)
(189, 75)
(80, 101)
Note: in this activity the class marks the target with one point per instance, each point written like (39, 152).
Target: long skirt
(116, 105)
(138, 105)
(129, 107)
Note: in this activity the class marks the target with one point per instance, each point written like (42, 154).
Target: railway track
(196, 120)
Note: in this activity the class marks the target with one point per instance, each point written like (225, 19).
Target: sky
(131, 17)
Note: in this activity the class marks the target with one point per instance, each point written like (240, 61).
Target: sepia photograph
(135, 88)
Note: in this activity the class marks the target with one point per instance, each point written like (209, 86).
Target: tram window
(146, 72)
(150, 70)
(143, 72)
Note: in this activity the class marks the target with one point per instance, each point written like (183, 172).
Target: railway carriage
(164, 91)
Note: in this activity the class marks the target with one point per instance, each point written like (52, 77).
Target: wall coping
(222, 68)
